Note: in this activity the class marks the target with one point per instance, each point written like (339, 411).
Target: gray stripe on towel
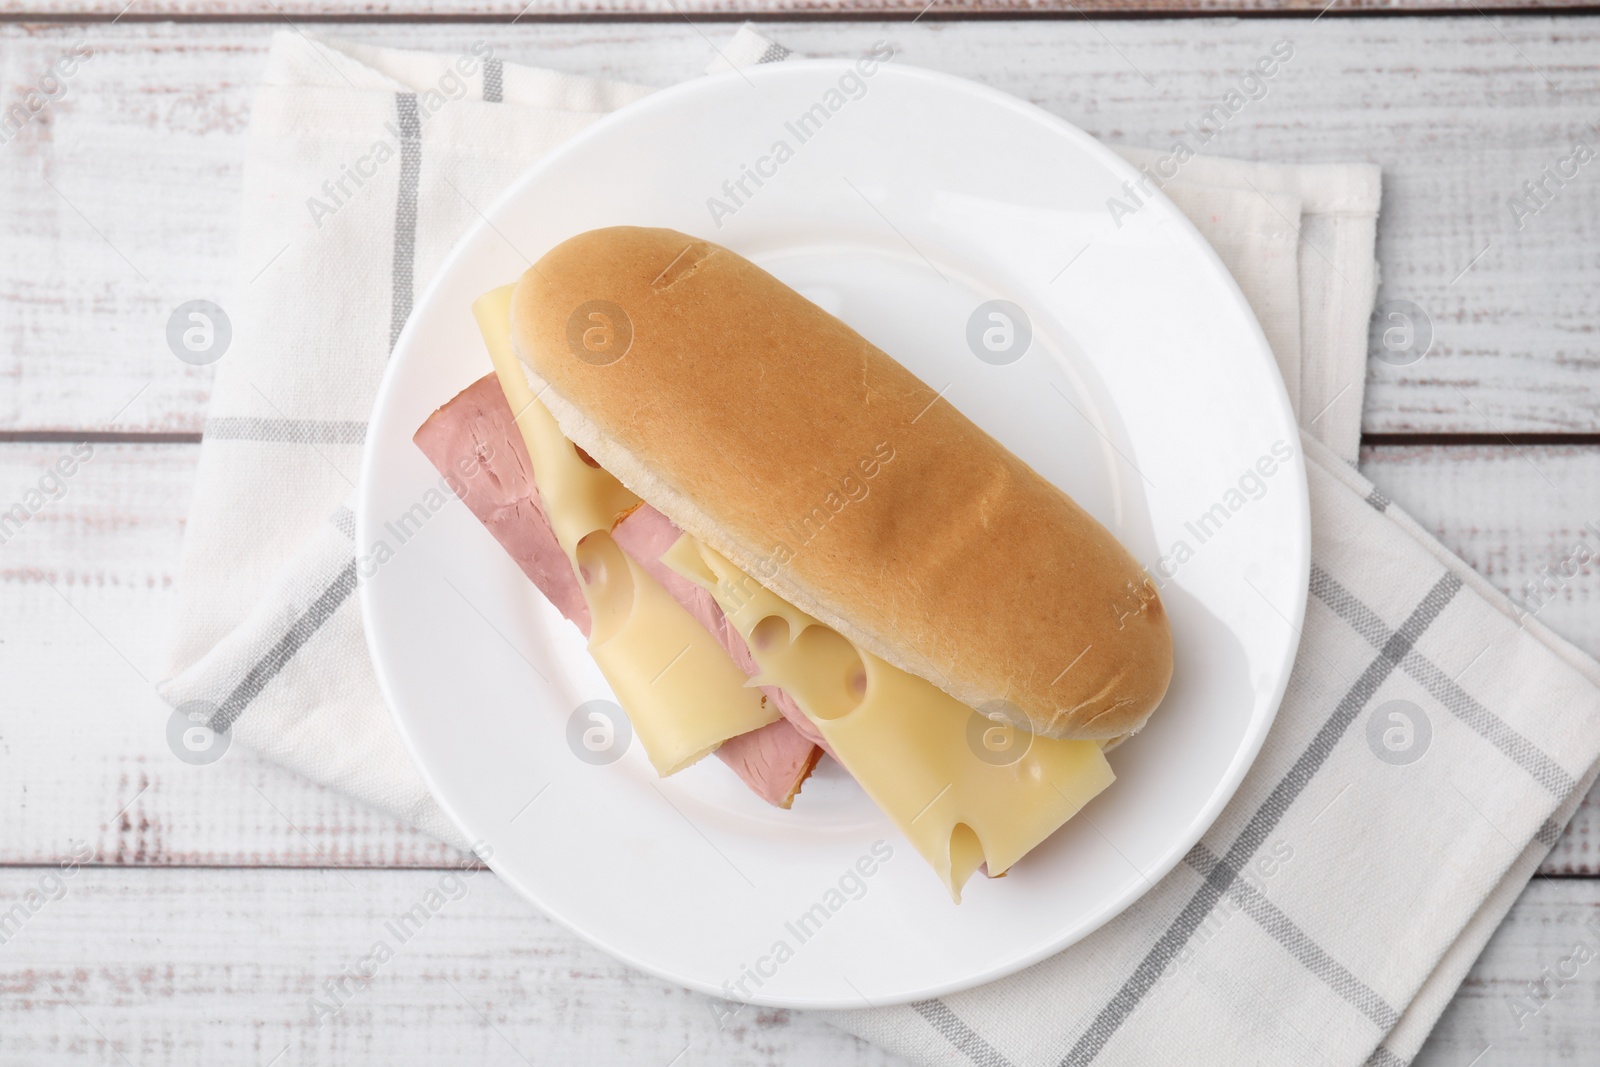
(344, 520)
(1382, 1057)
(286, 431)
(299, 632)
(959, 1034)
(1297, 942)
(405, 214)
(1126, 1000)
(1524, 753)
(494, 80)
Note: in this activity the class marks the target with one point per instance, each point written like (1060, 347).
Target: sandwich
(783, 546)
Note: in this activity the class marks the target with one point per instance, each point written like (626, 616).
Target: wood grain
(220, 967)
(206, 966)
(729, 9)
(1550, 920)
(143, 159)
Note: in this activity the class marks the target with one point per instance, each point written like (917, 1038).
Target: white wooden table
(220, 898)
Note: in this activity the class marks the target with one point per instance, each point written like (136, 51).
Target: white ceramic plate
(1147, 392)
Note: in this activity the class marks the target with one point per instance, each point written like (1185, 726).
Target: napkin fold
(1432, 743)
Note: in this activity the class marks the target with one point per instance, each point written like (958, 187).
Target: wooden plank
(209, 966)
(88, 581)
(378, 10)
(147, 144)
(1513, 514)
(1493, 1011)
(487, 980)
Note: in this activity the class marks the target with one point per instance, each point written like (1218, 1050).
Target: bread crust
(778, 435)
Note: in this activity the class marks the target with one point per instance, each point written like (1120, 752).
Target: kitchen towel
(1430, 747)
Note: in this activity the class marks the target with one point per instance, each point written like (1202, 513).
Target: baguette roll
(832, 475)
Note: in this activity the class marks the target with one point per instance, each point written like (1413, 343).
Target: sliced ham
(474, 442)
(774, 761)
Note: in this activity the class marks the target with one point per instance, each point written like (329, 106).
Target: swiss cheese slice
(682, 692)
(917, 751)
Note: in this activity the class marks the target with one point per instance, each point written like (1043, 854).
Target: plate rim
(1245, 754)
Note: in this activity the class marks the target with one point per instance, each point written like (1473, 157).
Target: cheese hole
(837, 679)
(607, 584)
(966, 853)
(592, 560)
(585, 457)
(770, 633)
